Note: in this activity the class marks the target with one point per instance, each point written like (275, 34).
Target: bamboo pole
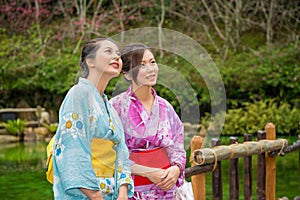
(293, 147)
(270, 165)
(198, 181)
(208, 155)
(198, 169)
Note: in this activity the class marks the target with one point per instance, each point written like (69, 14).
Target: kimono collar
(141, 123)
(132, 95)
(85, 81)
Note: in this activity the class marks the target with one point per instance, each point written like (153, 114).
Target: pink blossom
(79, 23)
(8, 8)
(59, 36)
(131, 17)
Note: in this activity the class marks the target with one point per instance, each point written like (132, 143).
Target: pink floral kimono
(143, 131)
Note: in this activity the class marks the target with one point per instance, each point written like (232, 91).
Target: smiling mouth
(150, 76)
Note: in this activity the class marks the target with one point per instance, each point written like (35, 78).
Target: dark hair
(132, 56)
(89, 51)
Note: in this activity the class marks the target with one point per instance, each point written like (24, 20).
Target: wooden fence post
(217, 193)
(198, 181)
(261, 170)
(234, 174)
(270, 165)
(247, 172)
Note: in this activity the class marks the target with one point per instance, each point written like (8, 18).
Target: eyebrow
(149, 59)
(117, 50)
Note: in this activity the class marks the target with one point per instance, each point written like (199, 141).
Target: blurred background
(254, 44)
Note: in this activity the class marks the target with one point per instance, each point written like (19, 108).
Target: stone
(8, 139)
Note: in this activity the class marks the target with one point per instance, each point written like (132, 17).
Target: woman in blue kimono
(90, 158)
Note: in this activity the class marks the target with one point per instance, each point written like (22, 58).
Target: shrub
(271, 72)
(15, 127)
(51, 127)
(252, 117)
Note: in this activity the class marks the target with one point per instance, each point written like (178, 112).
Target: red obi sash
(157, 158)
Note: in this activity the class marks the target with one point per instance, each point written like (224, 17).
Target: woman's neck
(144, 94)
(99, 82)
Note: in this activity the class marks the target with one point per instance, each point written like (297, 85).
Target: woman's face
(148, 71)
(107, 60)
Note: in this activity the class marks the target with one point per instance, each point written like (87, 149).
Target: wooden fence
(267, 147)
(12, 114)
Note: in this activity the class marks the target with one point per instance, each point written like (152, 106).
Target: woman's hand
(155, 176)
(123, 190)
(170, 178)
(92, 194)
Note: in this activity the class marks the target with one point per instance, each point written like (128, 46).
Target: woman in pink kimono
(153, 131)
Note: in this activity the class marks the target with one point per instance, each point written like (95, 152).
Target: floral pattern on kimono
(161, 128)
(84, 115)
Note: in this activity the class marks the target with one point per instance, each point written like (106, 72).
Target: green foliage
(43, 61)
(251, 117)
(33, 68)
(182, 85)
(15, 127)
(267, 73)
(51, 127)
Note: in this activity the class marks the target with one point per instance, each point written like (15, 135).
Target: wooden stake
(217, 187)
(270, 165)
(198, 181)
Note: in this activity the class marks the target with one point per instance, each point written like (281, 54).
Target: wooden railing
(15, 111)
(267, 147)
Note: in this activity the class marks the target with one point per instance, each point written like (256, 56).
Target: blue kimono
(89, 150)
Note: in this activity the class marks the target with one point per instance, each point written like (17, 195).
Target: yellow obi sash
(103, 157)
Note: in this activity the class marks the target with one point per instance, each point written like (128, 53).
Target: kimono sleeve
(179, 155)
(72, 154)
(124, 172)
